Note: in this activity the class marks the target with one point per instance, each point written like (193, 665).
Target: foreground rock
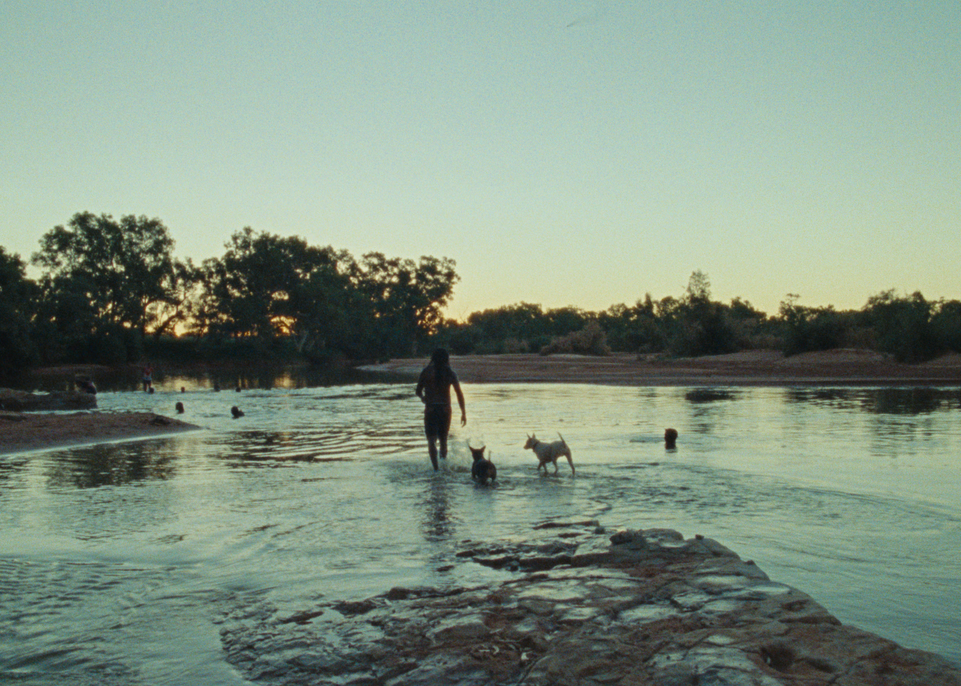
(649, 608)
(21, 401)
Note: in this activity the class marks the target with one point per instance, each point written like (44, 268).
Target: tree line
(908, 327)
(112, 291)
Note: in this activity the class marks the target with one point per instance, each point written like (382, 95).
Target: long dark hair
(440, 358)
(443, 374)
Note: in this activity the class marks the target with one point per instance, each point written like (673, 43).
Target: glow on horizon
(563, 153)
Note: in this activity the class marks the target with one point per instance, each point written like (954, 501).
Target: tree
(697, 325)
(267, 286)
(67, 321)
(126, 268)
(903, 325)
(635, 328)
(809, 329)
(698, 287)
(406, 297)
(947, 324)
(566, 320)
(18, 296)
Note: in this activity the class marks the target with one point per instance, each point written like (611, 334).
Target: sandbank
(25, 431)
(844, 367)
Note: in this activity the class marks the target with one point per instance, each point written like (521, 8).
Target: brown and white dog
(549, 452)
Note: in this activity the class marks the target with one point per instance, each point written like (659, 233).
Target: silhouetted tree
(266, 286)
(695, 325)
(633, 329)
(125, 268)
(406, 297)
(18, 296)
(946, 324)
(809, 329)
(903, 325)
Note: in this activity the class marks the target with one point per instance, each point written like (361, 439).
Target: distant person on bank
(433, 388)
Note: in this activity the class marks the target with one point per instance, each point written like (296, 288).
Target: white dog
(549, 452)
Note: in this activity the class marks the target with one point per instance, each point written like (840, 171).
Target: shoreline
(22, 432)
(28, 431)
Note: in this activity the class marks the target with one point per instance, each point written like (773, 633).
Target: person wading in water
(433, 388)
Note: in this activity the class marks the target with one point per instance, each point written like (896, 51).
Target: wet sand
(25, 431)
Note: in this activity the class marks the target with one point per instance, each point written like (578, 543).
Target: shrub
(904, 326)
(809, 329)
(591, 340)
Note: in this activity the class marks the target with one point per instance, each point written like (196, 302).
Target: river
(126, 563)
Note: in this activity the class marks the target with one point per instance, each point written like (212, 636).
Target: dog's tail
(562, 438)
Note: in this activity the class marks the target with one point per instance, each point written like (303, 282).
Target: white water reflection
(122, 563)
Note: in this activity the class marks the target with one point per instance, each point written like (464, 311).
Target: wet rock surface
(22, 401)
(635, 608)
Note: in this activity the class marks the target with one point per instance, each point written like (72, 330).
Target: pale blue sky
(563, 153)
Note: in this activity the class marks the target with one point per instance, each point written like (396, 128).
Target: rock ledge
(649, 607)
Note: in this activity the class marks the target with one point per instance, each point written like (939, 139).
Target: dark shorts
(437, 421)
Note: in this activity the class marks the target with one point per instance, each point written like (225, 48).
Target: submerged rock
(649, 607)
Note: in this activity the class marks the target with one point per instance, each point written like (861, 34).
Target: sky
(562, 153)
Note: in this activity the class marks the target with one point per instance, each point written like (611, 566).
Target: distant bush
(710, 333)
(947, 325)
(514, 346)
(591, 340)
(809, 329)
(904, 326)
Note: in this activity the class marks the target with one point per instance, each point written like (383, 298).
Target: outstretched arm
(460, 401)
(419, 391)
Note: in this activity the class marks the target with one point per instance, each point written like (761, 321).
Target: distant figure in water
(433, 388)
(147, 378)
(670, 439)
(236, 412)
(179, 407)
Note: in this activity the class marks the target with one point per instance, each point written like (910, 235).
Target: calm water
(121, 564)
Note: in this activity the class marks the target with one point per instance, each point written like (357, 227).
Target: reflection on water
(225, 379)
(910, 401)
(709, 395)
(107, 552)
(110, 465)
(438, 524)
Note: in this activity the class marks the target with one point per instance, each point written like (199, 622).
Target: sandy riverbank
(749, 368)
(23, 431)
